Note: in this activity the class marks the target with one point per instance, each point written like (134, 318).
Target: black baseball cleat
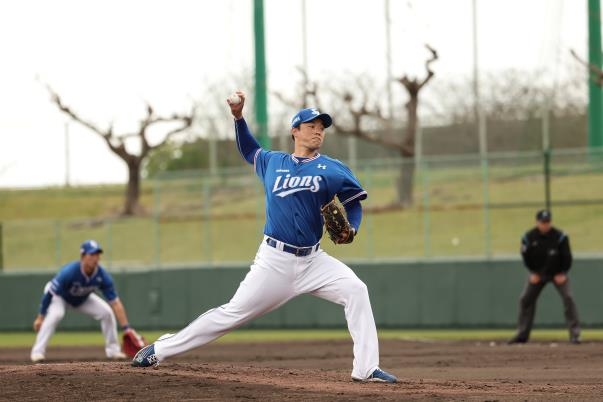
(516, 339)
(146, 357)
(575, 339)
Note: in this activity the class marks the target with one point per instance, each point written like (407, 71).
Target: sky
(107, 58)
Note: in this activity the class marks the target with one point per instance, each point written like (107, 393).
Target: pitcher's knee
(357, 288)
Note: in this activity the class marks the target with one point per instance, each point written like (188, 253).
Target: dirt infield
(317, 371)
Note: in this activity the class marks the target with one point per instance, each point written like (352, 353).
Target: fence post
(1, 248)
(546, 150)
(206, 221)
(370, 233)
(157, 222)
(486, 199)
(57, 242)
(426, 223)
(109, 246)
(483, 153)
(547, 178)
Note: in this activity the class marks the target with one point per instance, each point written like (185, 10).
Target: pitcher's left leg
(332, 280)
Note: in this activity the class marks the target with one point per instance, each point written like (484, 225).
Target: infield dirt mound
(317, 371)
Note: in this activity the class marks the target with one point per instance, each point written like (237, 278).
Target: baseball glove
(339, 229)
(132, 342)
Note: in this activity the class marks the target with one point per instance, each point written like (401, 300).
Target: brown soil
(316, 371)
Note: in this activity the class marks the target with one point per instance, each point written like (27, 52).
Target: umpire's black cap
(544, 215)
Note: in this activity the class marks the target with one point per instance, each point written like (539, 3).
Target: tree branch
(117, 143)
(107, 135)
(187, 122)
(597, 73)
(365, 110)
(308, 89)
(434, 57)
(369, 136)
(413, 86)
(358, 114)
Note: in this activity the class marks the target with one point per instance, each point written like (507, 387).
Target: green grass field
(26, 339)
(195, 220)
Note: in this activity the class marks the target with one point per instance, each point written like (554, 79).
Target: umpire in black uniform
(546, 254)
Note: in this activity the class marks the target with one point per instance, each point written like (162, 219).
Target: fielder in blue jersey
(74, 287)
(290, 261)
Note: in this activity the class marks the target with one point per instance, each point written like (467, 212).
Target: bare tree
(358, 104)
(366, 118)
(116, 144)
(413, 87)
(366, 108)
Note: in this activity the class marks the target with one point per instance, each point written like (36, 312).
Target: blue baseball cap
(306, 115)
(90, 247)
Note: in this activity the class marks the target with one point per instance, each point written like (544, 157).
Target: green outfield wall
(461, 293)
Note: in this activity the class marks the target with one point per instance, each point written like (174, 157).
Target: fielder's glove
(132, 342)
(339, 229)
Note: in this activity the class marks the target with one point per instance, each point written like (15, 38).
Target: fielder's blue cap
(544, 215)
(306, 115)
(90, 247)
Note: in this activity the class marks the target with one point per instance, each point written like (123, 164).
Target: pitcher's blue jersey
(74, 286)
(297, 188)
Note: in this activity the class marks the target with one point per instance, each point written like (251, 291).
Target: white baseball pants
(94, 306)
(276, 277)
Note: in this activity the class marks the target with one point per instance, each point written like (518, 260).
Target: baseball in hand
(234, 99)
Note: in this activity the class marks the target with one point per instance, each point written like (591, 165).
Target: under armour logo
(323, 167)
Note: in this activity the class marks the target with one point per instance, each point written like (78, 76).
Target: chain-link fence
(461, 206)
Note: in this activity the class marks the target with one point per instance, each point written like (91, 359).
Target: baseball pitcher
(299, 188)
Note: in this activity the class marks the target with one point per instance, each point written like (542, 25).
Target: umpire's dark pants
(527, 308)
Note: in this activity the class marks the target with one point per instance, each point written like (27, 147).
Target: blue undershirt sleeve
(353, 210)
(246, 143)
(45, 302)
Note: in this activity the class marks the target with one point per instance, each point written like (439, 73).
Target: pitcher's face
(309, 135)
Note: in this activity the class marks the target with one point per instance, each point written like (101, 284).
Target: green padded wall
(420, 294)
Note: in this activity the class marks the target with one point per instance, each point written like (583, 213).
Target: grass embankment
(195, 220)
